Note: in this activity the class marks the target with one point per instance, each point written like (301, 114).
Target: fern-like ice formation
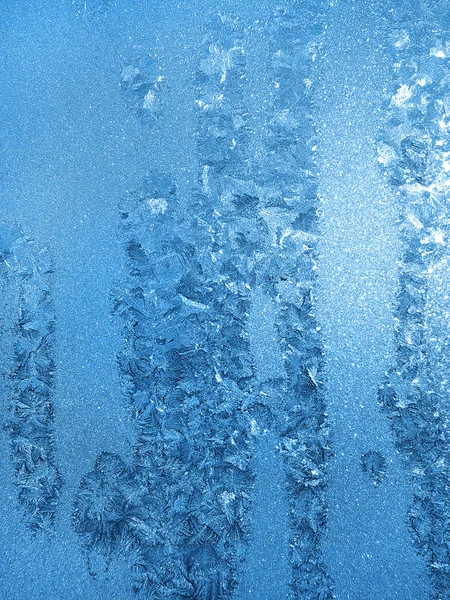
(182, 507)
(28, 271)
(186, 370)
(413, 151)
(288, 203)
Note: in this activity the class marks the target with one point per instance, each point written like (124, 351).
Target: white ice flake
(299, 235)
(415, 221)
(439, 237)
(386, 154)
(205, 179)
(158, 206)
(149, 101)
(129, 74)
(219, 61)
(193, 303)
(436, 236)
(227, 497)
(403, 40)
(401, 97)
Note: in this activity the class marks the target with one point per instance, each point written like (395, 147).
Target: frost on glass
(142, 83)
(26, 273)
(414, 153)
(90, 8)
(186, 373)
(286, 181)
(182, 508)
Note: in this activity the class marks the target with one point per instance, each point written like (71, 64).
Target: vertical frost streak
(28, 269)
(185, 369)
(413, 151)
(289, 205)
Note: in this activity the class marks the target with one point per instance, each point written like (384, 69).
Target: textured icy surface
(413, 152)
(224, 328)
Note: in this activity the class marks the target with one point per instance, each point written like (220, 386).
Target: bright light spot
(438, 237)
(437, 53)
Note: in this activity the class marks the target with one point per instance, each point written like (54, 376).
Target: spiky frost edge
(412, 154)
(188, 522)
(31, 424)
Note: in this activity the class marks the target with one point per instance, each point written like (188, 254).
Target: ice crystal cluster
(142, 83)
(186, 370)
(183, 506)
(374, 464)
(288, 205)
(27, 270)
(414, 153)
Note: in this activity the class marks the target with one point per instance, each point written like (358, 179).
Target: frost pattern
(287, 191)
(374, 464)
(186, 371)
(414, 153)
(142, 83)
(29, 270)
(266, 215)
(186, 366)
(93, 9)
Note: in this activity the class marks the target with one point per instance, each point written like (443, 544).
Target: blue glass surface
(224, 323)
